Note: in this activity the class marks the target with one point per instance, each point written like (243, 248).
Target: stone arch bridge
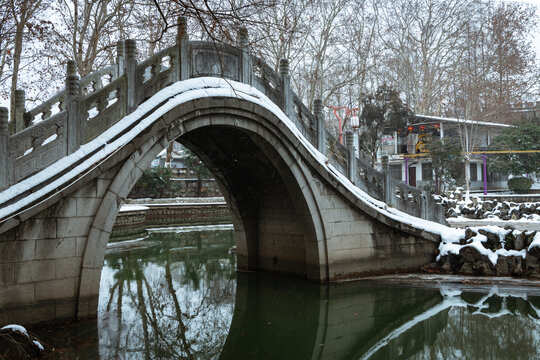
(67, 165)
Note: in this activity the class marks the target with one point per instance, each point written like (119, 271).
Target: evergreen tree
(447, 162)
(524, 136)
(193, 163)
(383, 112)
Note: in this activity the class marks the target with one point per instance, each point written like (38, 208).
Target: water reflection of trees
(496, 324)
(499, 324)
(174, 300)
(279, 318)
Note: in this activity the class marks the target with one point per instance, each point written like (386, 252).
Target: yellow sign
(421, 144)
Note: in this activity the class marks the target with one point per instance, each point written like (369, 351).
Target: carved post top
(4, 114)
(384, 163)
(349, 138)
(20, 99)
(120, 49)
(317, 107)
(284, 67)
(131, 49)
(72, 80)
(71, 68)
(242, 38)
(182, 28)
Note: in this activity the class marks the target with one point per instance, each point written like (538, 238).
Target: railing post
(4, 149)
(120, 59)
(183, 49)
(286, 94)
(246, 76)
(131, 74)
(75, 126)
(351, 157)
(321, 130)
(18, 123)
(387, 191)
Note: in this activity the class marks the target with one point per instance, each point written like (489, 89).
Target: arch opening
(270, 216)
(268, 189)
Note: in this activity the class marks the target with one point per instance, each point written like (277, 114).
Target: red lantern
(410, 128)
(422, 127)
(437, 126)
(355, 122)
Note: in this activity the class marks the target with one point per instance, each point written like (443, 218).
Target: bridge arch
(269, 188)
(293, 212)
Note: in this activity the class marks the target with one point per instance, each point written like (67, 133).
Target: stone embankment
(496, 248)
(486, 251)
(491, 209)
(137, 214)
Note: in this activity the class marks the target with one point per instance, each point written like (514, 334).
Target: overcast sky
(536, 41)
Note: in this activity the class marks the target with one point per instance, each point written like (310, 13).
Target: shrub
(155, 183)
(520, 184)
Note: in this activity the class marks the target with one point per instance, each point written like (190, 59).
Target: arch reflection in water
(171, 297)
(178, 298)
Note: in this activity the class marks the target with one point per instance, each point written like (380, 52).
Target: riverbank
(137, 214)
(522, 225)
(460, 281)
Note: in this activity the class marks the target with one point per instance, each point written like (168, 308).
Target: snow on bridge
(293, 209)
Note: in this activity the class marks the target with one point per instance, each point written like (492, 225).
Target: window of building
(427, 172)
(395, 171)
(474, 171)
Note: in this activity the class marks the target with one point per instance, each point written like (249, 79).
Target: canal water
(175, 294)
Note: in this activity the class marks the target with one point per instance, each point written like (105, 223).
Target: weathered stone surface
(493, 241)
(515, 265)
(34, 271)
(502, 268)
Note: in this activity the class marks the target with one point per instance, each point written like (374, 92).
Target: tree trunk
(467, 177)
(199, 185)
(16, 63)
(169, 155)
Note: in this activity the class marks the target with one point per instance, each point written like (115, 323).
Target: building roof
(462, 121)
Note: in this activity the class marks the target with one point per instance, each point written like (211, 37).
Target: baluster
(76, 123)
(246, 74)
(351, 158)
(4, 149)
(102, 102)
(321, 131)
(131, 73)
(183, 50)
(285, 91)
(97, 83)
(62, 103)
(47, 111)
(18, 123)
(38, 136)
(120, 60)
(156, 63)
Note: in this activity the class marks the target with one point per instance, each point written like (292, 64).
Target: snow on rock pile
(491, 250)
(488, 209)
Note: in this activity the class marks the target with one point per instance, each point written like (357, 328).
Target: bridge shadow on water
(178, 295)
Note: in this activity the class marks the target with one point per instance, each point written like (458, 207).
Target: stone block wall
(358, 245)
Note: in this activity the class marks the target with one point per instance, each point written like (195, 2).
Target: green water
(176, 295)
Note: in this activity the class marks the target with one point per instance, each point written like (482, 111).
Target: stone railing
(88, 106)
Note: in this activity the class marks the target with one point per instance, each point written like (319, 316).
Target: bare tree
(22, 13)
(421, 38)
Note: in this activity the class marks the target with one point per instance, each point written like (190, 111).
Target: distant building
(528, 110)
(177, 165)
(417, 170)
